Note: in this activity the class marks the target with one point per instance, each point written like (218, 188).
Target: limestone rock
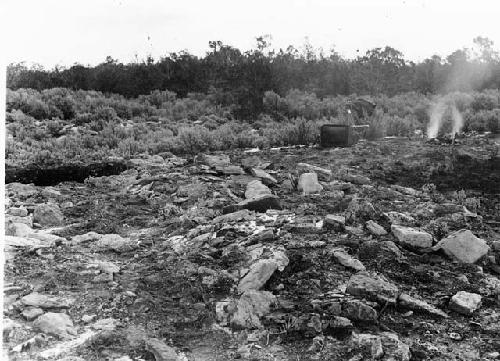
(308, 184)
(36, 299)
(57, 324)
(465, 303)
(18, 229)
(48, 215)
(375, 228)
(464, 246)
(115, 242)
(19, 212)
(256, 189)
(265, 177)
(335, 222)
(419, 305)
(356, 310)
(324, 174)
(161, 351)
(412, 237)
(251, 306)
(32, 313)
(373, 287)
(259, 274)
(346, 260)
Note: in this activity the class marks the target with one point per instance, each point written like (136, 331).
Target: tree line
(240, 79)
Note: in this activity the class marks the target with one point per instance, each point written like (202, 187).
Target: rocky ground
(388, 250)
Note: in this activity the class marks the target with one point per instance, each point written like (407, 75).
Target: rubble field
(387, 250)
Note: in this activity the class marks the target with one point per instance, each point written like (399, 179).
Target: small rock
(419, 305)
(375, 228)
(115, 243)
(57, 324)
(308, 184)
(31, 313)
(412, 237)
(399, 218)
(347, 261)
(373, 287)
(465, 303)
(335, 222)
(256, 189)
(67, 204)
(264, 176)
(251, 306)
(88, 318)
(355, 178)
(358, 311)
(464, 246)
(48, 215)
(230, 169)
(161, 351)
(359, 210)
(375, 249)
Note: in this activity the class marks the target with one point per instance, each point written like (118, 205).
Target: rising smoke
(444, 105)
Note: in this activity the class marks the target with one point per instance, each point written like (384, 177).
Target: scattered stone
(346, 260)
(264, 176)
(359, 210)
(406, 190)
(324, 174)
(399, 218)
(31, 313)
(67, 204)
(47, 214)
(419, 305)
(256, 189)
(16, 219)
(355, 178)
(115, 243)
(237, 216)
(375, 228)
(464, 246)
(259, 274)
(19, 212)
(335, 222)
(21, 190)
(88, 318)
(373, 287)
(57, 324)
(39, 300)
(161, 351)
(385, 346)
(251, 306)
(465, 303)
(308, 184)
(412, 237)
(87, 237)
(356, 310)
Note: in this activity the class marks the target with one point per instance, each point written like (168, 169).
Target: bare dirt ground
(180, 267)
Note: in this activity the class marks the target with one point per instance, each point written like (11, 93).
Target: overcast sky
(64, 32)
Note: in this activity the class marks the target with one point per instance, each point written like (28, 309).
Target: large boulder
(464, 246)
(412, 237)
(308, 184)
(48, 214)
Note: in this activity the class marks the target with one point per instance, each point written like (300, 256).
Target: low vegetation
(56, 126)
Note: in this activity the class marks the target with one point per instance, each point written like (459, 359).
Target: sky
(64, 32)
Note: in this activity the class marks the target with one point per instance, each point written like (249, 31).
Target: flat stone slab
(373, 287)
(411, 236)
(464, 246)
